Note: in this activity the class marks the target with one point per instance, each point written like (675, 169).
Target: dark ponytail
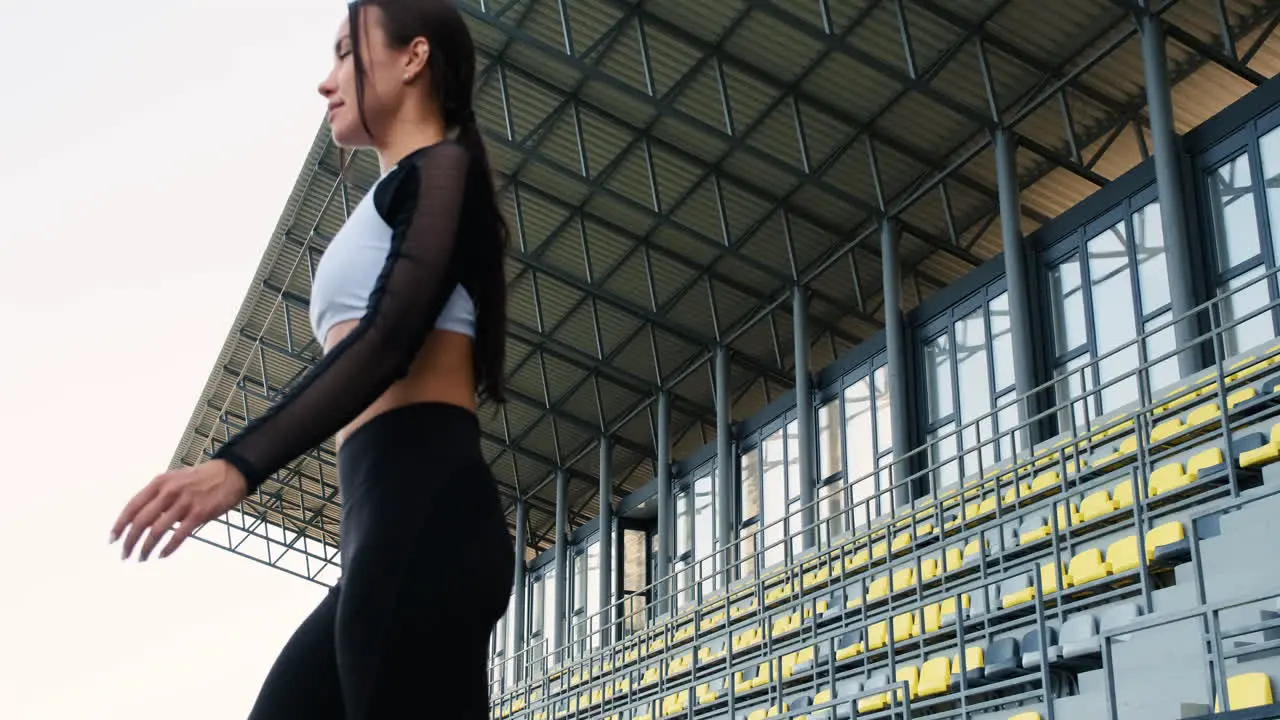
(452, 66)
(491, 306)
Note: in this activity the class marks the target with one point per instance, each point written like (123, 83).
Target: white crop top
(349, 268)
(418, 253)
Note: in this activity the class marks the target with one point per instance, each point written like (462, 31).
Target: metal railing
(739, 572)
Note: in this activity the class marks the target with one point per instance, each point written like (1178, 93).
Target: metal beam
(1017, 277)
(606, 541)
(1168, 160)
(726, 466)
(804, 416)
(666, 504)
(896, 344)
(562, 563)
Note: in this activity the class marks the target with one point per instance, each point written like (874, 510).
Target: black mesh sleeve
(408, 297)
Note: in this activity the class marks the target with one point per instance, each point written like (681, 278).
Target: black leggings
(427, 571)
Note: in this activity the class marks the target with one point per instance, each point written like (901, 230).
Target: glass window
(1269, 148)
(774, 495)
(1113, 323)
(1067, 289)
(704, 532)
(938, 374)
(1115, 286)
(1235, 216)
(1001, 340)
(830, 457)
(860, 450)
(1243, 253)
(1246, 294)
(593, 592)
(971, 357)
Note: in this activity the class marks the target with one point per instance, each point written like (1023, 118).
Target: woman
(409, 303)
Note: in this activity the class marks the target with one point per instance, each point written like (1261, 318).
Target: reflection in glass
(860, 447)
(830, 454)
(1001, 341)
(773, 493)
(1113, 319)
(704, 533)
(831, 512)
(1246, 295)
(1066, 285)
(938, 376)
(1269, 149)
(1159, 342)
(1235, 218)
(1153, 268)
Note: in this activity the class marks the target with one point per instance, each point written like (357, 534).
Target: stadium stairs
(1072, 574)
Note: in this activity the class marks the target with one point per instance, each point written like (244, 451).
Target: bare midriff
(441, 372)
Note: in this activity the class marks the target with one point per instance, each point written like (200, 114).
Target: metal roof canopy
(672, 169)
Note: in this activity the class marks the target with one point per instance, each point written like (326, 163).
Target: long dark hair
(452, 66)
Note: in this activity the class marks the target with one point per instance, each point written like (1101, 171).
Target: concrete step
(1084, 706)
(1158, 670)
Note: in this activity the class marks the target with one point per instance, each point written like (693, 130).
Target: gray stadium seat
(1031, 653)
(1118, 616)
(1079, 636)
(845, 690)
(1003, 659)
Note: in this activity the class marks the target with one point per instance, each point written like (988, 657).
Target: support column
(896, 342)
(606, 541)
(804, 415)
(1164, 144)
(562, 563)
(726, 470)
(519, 590)
(1017, 276)
(666, 505)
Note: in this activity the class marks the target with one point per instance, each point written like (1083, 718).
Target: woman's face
(388, 72)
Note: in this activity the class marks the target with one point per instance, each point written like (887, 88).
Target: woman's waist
(415, 427)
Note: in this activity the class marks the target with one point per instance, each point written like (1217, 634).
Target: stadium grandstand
(867, 358)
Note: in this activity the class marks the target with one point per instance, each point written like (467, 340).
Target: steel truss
(671, 175)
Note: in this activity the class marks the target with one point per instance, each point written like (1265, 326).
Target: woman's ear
(415, 64)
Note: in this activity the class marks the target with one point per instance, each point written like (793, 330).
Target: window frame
(1073, 244)
(944, 323)
(1244, 141)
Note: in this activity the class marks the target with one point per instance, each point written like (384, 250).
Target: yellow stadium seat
(929, 569)
(848, 651)
(1122, 494)
(935, 677)
(1165, 430)
(1167, 478)
(877, 636)
(954, 558)
(1096, 505)
(878, 588)
(932, 615)
(1247, 690)
(904, 627)
(1264, 455)
(904, 578)
(1088, 566)
(1203, 460)
(1123, 554)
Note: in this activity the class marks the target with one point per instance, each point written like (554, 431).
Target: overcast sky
(146, 152)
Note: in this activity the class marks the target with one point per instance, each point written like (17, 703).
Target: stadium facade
(888, 358)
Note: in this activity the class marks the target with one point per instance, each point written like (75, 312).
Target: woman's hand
(188, 498)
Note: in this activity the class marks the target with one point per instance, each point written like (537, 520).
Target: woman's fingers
(183, 531)
(163, 524)
(160, 500)
(135, 505)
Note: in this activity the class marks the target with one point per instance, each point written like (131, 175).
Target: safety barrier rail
(739, 572)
